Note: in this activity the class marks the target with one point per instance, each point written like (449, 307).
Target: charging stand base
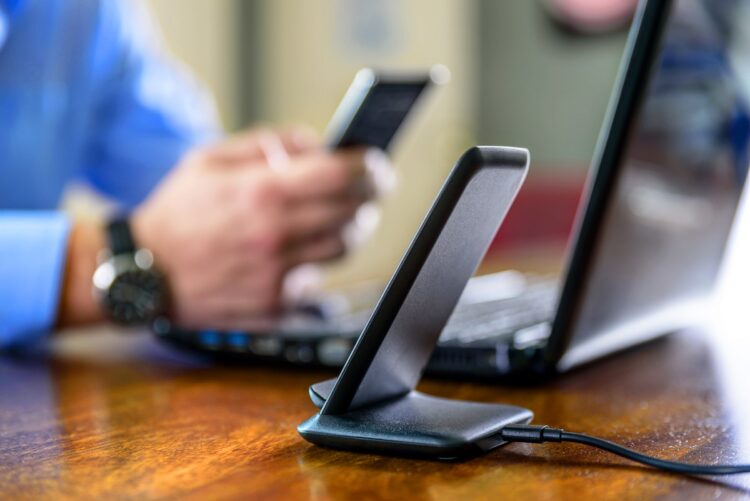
(416, 424)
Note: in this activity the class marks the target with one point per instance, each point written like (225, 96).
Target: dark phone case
(374, 109)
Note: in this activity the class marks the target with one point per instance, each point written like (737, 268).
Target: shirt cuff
(32, 256)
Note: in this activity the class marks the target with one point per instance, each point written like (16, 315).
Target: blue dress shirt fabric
(85, 94)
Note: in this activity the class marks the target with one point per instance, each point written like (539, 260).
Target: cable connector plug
(531, 433)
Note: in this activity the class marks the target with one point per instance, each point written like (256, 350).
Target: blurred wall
(541, 87)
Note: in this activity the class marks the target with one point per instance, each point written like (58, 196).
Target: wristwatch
(131, 290)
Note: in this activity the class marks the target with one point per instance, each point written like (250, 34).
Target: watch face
(135, 296)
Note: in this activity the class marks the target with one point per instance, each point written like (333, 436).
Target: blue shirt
(85, 94)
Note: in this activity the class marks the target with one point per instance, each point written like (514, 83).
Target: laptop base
(416, 424)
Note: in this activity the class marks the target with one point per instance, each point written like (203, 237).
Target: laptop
(664, 186)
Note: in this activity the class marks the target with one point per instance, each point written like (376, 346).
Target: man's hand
(231, 220)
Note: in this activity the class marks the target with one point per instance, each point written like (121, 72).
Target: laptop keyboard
(502, 317)
(494, 309)
(473, 321)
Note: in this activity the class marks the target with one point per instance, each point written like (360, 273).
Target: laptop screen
(677, 184)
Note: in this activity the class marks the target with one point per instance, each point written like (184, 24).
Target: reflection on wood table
(109, 414)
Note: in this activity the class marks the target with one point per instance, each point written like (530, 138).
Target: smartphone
(376, 104)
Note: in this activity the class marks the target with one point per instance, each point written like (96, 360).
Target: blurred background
(520, 77)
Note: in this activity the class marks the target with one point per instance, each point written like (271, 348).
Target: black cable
(536, 434)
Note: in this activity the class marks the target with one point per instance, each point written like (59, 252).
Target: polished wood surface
(110, 415)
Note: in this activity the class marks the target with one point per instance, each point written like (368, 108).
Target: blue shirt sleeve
(148, 111)
(32, 261)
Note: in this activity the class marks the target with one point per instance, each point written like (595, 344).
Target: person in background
(592, 17)
(212, 226)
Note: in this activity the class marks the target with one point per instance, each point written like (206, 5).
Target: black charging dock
(416, 424)
(373, 404)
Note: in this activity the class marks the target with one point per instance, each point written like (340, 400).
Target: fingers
(345, 173)
(307, 172)
(307, 220)
(299, 139)
(380, 173)
(362, 227)
(317, 249)
(273, 149)
(278, 146)
(241, 147)
(320, 195)
(272, 146)
(322, 174)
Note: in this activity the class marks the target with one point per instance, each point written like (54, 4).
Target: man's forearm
(78, 306)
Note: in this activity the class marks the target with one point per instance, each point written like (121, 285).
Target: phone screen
(381, 114)
(374, 108)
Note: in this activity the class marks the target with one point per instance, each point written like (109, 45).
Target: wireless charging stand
(373, 404)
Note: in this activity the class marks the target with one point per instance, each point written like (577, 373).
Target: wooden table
(110, 415)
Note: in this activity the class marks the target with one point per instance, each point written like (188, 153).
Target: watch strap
(120, 237)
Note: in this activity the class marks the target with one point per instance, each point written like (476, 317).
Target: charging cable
(535, 434)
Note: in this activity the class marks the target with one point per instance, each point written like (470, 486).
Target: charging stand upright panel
(373, 404)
